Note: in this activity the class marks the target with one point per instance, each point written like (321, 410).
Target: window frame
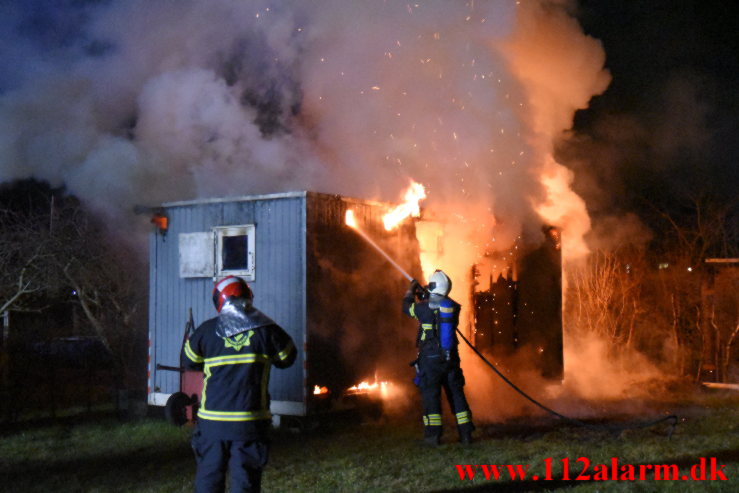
(248, 230)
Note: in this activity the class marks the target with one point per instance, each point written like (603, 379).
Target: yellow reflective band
(425, 421)
(192, 355)
(446, 310)
(205, 387)
(463, 417)
(236, 359)
(426, 327)
(412, 310)
(286, 352)
(234, 416)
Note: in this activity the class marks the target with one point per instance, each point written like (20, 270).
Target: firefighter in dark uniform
(438, 363)
(236, 351)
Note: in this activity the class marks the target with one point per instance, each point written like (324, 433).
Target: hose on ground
(613, 428)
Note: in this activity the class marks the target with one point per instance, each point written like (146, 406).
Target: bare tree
(46, 256)
(702, 306)
(719, 322)
(605, 293)
(25, 262)
(109, 284)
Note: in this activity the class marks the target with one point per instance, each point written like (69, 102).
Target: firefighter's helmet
(228, 287)
(439, 283)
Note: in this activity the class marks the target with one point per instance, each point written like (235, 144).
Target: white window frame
(248, 274)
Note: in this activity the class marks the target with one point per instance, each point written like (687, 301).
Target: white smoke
(144, 102)
(140, 102)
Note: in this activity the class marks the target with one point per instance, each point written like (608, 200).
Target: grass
(98, 453)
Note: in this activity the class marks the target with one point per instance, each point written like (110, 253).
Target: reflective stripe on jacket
(237, 369)
(436, 327)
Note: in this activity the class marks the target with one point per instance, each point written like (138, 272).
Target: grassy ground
(101, 454)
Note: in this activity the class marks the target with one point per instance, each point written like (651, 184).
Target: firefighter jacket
(235, 398)
(437, 325)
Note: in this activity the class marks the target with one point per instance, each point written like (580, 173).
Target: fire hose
(613, 428)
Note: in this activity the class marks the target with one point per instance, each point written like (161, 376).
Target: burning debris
(364, 387)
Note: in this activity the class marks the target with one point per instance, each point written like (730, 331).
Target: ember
(319, 390)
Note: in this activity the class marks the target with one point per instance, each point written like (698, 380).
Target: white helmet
(439, 283)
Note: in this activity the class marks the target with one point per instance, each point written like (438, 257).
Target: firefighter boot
(432, 429)
(431, 441)
(432, 436)
(465, 433)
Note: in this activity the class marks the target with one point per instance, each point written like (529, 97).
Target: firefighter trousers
(434, 375)
(243, 460)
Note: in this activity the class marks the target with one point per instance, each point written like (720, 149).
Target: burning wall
(355, 326)
(520, 311)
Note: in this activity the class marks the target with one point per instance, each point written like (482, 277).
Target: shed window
(235, 251)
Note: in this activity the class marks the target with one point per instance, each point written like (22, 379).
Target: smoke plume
(143, 102)
(128, 102)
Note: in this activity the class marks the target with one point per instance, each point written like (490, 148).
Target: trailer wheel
(175, 409)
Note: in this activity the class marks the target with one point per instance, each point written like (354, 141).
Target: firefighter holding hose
(438, 363)
(235, 350)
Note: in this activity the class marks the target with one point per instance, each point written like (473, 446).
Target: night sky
(666, 127)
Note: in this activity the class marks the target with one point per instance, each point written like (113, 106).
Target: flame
(350, 219)
(319, 390)
(413, 195)
(369, 387)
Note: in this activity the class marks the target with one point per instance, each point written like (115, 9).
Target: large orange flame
(413, 195)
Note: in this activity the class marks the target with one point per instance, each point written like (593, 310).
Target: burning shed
(309, 272)
(520, 312)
